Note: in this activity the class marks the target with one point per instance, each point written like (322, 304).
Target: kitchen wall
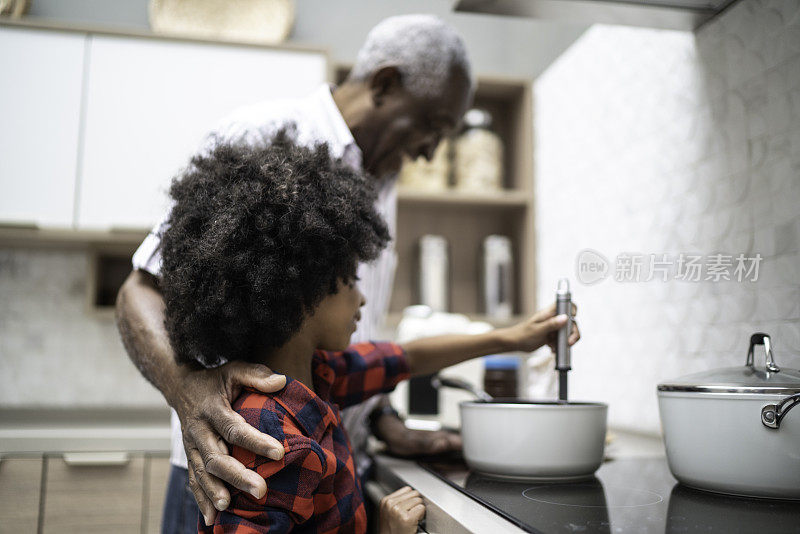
(53, 351)
(661, 142)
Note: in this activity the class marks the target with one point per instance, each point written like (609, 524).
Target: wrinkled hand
(208, 421)
(401, 511)
(402, 441)
(541, 329)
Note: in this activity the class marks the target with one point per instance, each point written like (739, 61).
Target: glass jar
(478, 154)
(423, 175)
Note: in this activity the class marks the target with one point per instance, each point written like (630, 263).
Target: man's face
(337, 316)
(414, 126)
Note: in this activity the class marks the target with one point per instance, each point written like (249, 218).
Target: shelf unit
(466, 218)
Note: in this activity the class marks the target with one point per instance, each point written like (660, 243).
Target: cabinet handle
(96, 459)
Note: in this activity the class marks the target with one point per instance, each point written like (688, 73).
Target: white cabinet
(40, 99)
(150, 102)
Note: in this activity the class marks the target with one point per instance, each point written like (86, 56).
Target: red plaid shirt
(314, 488)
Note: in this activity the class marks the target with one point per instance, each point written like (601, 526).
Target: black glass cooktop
(629, 495)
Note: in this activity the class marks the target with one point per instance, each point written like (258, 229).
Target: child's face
(337, 315)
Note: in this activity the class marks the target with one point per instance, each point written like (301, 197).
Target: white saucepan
(730, 430)
(532, 440)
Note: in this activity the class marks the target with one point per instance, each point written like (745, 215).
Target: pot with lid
(730, 431)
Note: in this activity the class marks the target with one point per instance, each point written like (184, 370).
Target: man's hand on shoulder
(202, 399)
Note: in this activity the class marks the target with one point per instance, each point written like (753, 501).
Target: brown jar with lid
(500, 376)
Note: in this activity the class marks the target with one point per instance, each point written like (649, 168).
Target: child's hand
(541, 329)
(401, 512)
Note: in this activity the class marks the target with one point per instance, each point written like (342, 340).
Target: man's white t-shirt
(314, 119)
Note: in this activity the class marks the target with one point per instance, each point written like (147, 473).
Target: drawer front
(93, 498)
(158, 468)
(20, 485)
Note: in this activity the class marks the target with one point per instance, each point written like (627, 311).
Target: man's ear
(384, 82)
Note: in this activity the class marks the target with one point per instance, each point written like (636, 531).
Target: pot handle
(760, 338)
(456, 383)
(773, 414)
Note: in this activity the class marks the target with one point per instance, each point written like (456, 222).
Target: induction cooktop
(636, 495)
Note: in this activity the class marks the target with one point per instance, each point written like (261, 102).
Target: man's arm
(408, 442)
(201, 397)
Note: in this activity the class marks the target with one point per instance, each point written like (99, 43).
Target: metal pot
(530, 440)
(729, 431)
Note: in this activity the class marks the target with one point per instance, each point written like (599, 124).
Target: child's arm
(289, 502)
(429, 355)
(292, 482)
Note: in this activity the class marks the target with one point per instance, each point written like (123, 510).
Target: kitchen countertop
(450, 511)
(53, 430)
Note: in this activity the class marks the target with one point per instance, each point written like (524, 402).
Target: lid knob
(760, 338)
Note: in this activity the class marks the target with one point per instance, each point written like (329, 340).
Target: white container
(433, 272)
(729, 430)
(534, 440)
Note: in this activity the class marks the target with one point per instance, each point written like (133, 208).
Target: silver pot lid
(770, 379)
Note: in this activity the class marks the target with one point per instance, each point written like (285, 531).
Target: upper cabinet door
(40, 100)
(150, 103)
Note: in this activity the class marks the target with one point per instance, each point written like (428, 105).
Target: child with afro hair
(259, 262)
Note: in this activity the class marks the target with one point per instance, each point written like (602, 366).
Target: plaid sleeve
(291, 484)
(366, 369)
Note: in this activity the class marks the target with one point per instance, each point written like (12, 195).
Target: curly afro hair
(257, 237)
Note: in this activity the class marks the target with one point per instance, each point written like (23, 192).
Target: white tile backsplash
(654, 142)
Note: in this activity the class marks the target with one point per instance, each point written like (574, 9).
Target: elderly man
(409, 87)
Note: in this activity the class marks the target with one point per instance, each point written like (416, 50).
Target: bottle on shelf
(498, 278)
(433, 272)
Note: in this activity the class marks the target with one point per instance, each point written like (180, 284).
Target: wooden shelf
(69, 238)
(36, 23)
(464, 219)
(455, 197)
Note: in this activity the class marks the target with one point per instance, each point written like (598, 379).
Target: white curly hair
(424, 49)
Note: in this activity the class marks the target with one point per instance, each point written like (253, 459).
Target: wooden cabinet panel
(150, 102)
(40, 99)
(88, 498)
(20, 484)
(158, 468)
